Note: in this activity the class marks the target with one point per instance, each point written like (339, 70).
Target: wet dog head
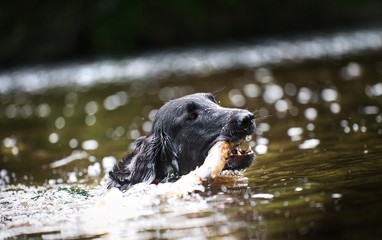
(196, 122)
(184, 130)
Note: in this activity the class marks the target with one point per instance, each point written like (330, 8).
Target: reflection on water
(199, 61)
(318, 141)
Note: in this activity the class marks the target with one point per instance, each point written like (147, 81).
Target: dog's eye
(193, 116)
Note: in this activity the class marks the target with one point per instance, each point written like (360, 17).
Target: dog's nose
(246, 120)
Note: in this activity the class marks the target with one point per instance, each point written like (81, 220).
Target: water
(317, 174)
(200, 61)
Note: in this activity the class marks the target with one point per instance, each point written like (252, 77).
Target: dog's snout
(241, 124)
(246, 120)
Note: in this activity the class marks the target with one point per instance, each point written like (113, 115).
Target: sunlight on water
(309, 144)
(317, 142)
(295, 133)
(199, 61)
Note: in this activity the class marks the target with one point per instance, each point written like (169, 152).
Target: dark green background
(37, 31)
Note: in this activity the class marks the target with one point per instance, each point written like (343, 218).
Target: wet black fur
(184, 129)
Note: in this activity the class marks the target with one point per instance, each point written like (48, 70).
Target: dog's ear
(142, 165)
(168, 164)
(154, 157)
(136, 167)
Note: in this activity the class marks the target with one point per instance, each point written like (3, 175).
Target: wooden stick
(211, 168)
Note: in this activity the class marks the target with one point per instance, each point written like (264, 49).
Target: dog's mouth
(239, 156)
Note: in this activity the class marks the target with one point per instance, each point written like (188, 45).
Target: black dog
(183, 131)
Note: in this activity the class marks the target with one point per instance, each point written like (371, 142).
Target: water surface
(317, 173)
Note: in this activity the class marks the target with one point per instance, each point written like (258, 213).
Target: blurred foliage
(37, 31)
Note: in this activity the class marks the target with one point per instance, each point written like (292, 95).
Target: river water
(318, 170)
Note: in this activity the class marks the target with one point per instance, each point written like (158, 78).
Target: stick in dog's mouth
(221, 156)
(212, 166)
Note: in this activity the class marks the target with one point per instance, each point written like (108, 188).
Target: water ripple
(191, 61)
